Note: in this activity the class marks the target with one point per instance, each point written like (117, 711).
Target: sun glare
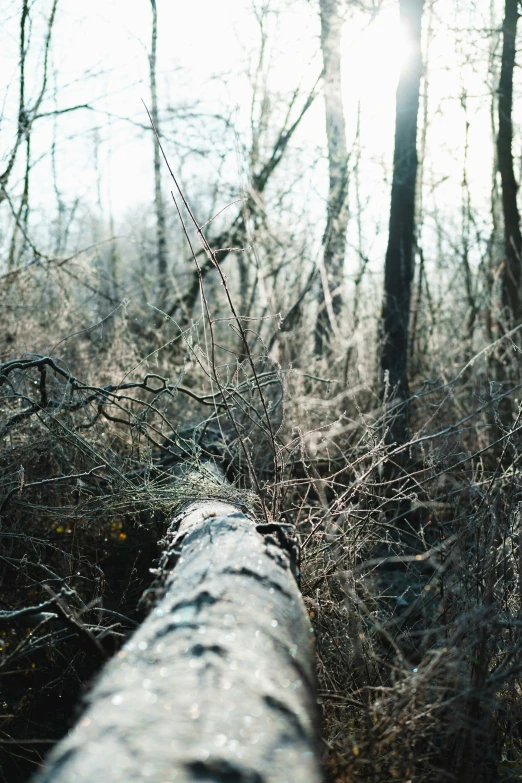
(378, 52)
(373, 56)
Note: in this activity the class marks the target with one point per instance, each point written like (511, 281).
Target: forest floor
(411, 558)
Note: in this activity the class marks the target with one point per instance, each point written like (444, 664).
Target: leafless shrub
(411, 568)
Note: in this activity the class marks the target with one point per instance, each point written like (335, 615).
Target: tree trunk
(510, 279)
(334, 240)
(399, 264)
(218, 682)
(161, 229)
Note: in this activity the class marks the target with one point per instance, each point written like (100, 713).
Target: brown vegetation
(114, 397)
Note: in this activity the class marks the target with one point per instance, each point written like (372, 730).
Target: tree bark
(218, 682)
(510, 279)
(399, 263)
(159, 203)
(334, 240)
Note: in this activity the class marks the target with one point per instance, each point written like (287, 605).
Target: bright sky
(205, 50)
(198, 43)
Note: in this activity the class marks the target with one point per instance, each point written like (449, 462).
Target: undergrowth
(411, 564)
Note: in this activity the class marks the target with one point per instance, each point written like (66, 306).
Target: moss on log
(217, 684)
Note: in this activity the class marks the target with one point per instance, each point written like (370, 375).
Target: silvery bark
(161, 220)
(218, 682)
(334, 240)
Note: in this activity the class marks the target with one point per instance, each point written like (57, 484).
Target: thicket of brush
(411, 557)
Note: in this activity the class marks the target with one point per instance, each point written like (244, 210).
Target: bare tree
(27, 115)
(399, 263)
(22, 126)
(159, 203)
(235, 236)
(511, 272)
(334, 240)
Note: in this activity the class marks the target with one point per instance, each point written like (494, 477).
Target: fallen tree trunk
(217, 684)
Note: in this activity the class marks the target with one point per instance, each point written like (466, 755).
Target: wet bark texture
(217, 684)
(399, 264)
(334, 241)
(511, 273)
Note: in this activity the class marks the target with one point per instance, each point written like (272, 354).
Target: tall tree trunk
(159, 203)
(511, 273)
(504, 362)
(399, 264)
(334, 241)
(217, 684)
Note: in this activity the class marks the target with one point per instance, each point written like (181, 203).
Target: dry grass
(413, 579)
(410, 558)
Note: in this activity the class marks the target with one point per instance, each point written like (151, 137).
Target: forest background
(122, 347)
